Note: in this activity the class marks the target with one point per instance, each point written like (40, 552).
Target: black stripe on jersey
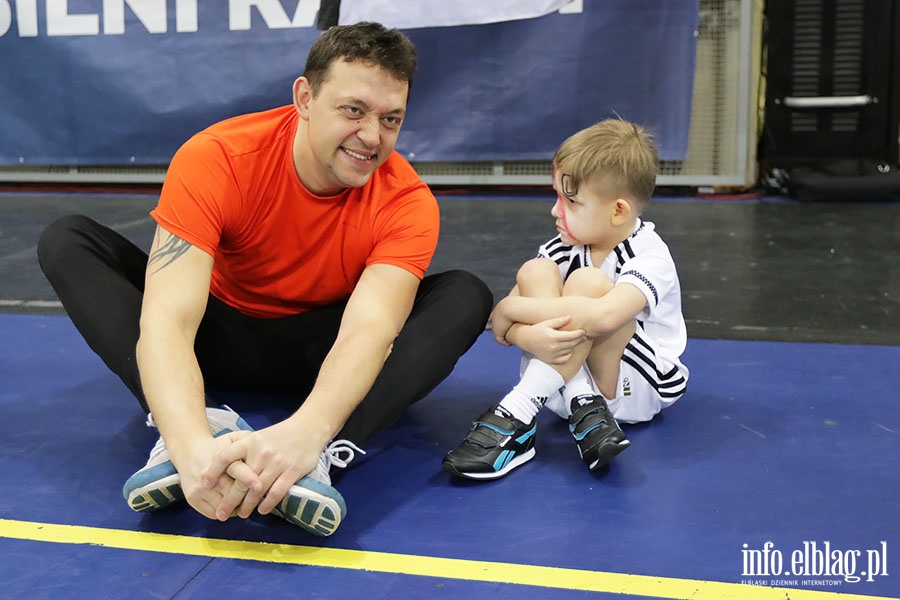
(575, 264)
(638, 230)
(666, 389)
(646, 282)
(557, 250)
(556, 245)
(621, 256)
(641, 356)
(637, 338)
(619, 259)
(624, 251)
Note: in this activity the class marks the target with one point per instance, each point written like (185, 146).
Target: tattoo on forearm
(168, 251)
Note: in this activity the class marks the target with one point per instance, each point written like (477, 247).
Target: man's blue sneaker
(158, 484)
(493, 447)
(312, 503)
(598, 435)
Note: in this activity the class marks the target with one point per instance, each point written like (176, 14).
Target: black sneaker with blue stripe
(598, 435)
(493, 447)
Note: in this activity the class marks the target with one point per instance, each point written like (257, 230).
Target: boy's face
(353, 124)
(585, 216)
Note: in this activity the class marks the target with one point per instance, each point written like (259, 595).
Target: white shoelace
(338, 453)
(217, 422)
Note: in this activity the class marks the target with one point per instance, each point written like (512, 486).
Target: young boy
(597, 313)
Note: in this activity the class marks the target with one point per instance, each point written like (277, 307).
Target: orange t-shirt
(232, 191)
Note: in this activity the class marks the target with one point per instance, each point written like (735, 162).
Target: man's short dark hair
(370, 43)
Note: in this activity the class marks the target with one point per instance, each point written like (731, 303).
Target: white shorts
(647, 384)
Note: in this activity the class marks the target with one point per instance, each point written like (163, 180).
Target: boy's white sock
(581, 384)
(526, 399)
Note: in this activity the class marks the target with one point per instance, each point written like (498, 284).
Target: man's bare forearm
(346, 376)
(173, 386)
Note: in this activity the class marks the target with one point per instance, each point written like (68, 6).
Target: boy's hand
(500, 323)
(547, 340)
(500, 327)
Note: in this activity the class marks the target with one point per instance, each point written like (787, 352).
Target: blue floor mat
(779, 454)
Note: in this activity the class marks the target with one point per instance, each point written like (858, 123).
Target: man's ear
(302, 96)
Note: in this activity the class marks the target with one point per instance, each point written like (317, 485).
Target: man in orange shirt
(289, 258)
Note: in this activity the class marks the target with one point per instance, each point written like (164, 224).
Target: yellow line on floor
(406, 564)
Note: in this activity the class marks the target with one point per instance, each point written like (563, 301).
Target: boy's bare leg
(602, 354)
(596, 432)
(537, 278)
(502, 438)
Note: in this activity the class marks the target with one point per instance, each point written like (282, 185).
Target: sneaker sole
(607, 453)
(486, 476)
(314, 506)
(160, 485)
(149, 491)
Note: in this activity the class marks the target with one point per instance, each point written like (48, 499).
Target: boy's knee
(587, 281)
(538, 271)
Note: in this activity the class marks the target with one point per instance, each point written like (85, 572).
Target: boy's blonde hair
(617, 156)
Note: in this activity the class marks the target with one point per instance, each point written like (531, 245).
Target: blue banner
(121, 82)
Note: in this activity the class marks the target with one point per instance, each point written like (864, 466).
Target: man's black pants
(99, 278)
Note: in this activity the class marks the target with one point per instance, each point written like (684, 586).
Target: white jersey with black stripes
(652, 375)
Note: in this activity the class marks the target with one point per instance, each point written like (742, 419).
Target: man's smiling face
(351, 125)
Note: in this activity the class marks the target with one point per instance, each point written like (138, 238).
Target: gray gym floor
(754, 269)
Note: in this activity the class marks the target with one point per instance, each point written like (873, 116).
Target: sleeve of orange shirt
(197, 186)
(408, 228)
